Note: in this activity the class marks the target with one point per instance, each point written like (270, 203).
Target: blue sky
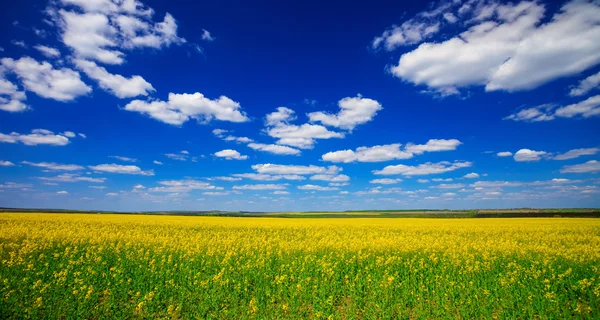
(270, 106)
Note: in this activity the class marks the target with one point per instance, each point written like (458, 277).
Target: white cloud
(41, 78)
(331, 178)
(177, 156)
(423, 181)
(216, 193)
(49, 52)
(206, 36)
(225, 178)
(433, 145)
(112, 194)
(281, 192)
(97, 187)
(113, 83)
(116, 168)
(390, 151)
(281, 116)
(504, 154)
(230, 154)
(509, 48)
(126, 159)
(587, 108)
(385, 181)
(586, 85)
(368, 154)
(70, 177)
(442, 180)
(4, 163)
(36, 137)
(100, 29)
(182, 107)
(275, 149)
(354, 111)
(11, 98)
(450, 186)
(157, 163)
(69, 134)
(423, 169)
(183, 186)
(576, 153)
(268, 177)
(525, 155)
(312, 187)
(471, 175)
(54, 166)
(14, 185)
(238, 139)
(62, 192)
(260, 187)
(294, 169)
(535, 114)
(419, 28)
(82, 135)
(588, 167)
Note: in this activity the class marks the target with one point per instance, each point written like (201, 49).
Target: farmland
(138, 266)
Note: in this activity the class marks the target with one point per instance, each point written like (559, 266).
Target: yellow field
(133, 266)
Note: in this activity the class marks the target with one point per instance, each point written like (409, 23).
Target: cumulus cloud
(331, 178)
(526, 155)
(49, 52)
(54, 166)
(588, 167)
(390, 152)
(183, 186)
(385, 181)
(36, 137)
(113, 83)
(100, 30)
(157, 162)
(450, 186)
(433, 145)
(423, 169)
(70, 177)
(206, 36)
(586, 85)
(368, 154)
(587, 108)
(303, 136)
(261, 187)
(576, 153)
(4, 163)
(41, 78)
(419, 28)
(11, 98)
(312, 187)
(62, 192)
(126, 159)
(274, 149)
(510, 46)
(279, 169)
(182, 107)
(583, 109)
(534, 114)
(353, 112)
(117, 168)
(504, 154)
(471, 175)
(267, 177)
(230, 154)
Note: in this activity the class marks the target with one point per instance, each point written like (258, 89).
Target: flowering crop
(134, 266)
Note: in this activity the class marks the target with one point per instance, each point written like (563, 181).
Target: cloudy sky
(156, 105)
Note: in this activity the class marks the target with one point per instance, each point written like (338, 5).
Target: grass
(135, 266)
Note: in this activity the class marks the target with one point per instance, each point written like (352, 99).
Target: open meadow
(56, 266)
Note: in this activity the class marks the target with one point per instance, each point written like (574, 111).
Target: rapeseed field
(55, 266)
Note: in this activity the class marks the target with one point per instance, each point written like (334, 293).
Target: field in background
(138, 266)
